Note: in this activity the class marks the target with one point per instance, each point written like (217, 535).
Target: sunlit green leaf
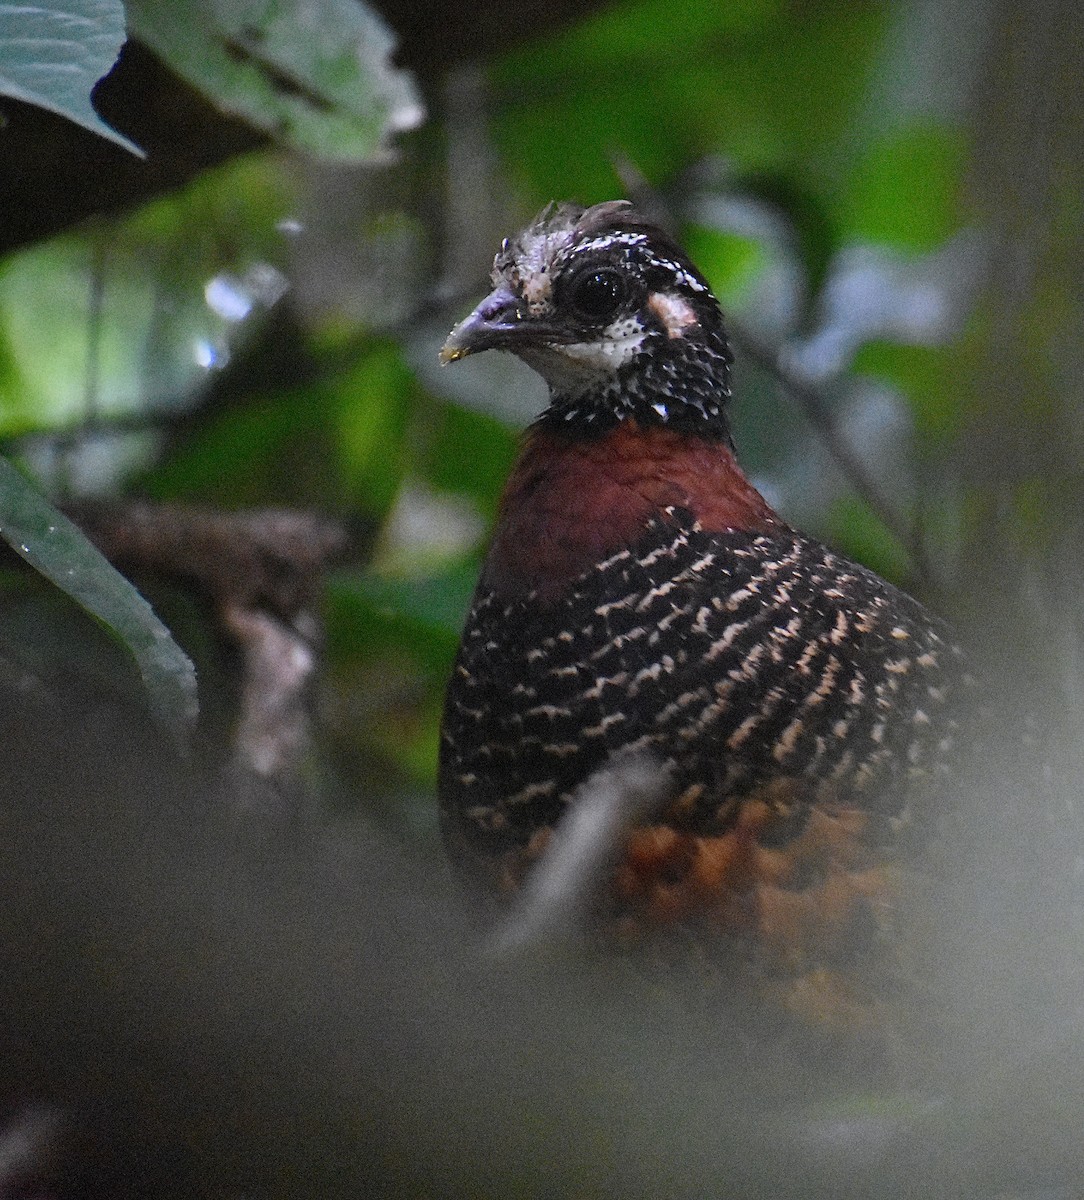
(135, 321)
(51, 344)
(728, 261)
(907, 187)
(371, 405)
(317, 75)
(54, 546)
(859, 532)
(52, 54)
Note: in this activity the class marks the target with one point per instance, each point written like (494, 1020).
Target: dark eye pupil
(598, 295)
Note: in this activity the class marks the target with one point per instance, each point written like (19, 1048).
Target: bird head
(610, 312)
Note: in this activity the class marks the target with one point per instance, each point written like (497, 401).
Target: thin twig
(557, 896)
(811, 400)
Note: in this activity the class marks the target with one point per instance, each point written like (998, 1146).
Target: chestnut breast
(569, 503)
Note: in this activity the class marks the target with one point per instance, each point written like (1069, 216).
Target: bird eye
(597, 294)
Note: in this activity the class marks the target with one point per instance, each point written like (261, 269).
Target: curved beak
(494, 323)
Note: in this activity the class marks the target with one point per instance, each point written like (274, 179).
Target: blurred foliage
(770, 85)
(905, 189)
(130, 327)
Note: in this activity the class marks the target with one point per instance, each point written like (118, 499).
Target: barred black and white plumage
(733, 658)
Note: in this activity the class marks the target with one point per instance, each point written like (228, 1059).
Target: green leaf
(372, 402)
(907, 187)
(317, 75)
(919, 373)
(729, 261)
(54, 546)
(468, 452)
(278, 446)
(423, 616)
(857, 530)
(773, 87)
(52, 55)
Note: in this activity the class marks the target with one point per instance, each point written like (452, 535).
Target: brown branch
(262, 571)
(271, 558)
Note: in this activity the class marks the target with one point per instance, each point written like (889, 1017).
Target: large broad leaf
(317, 75)
(52, 55)
(56, 548)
